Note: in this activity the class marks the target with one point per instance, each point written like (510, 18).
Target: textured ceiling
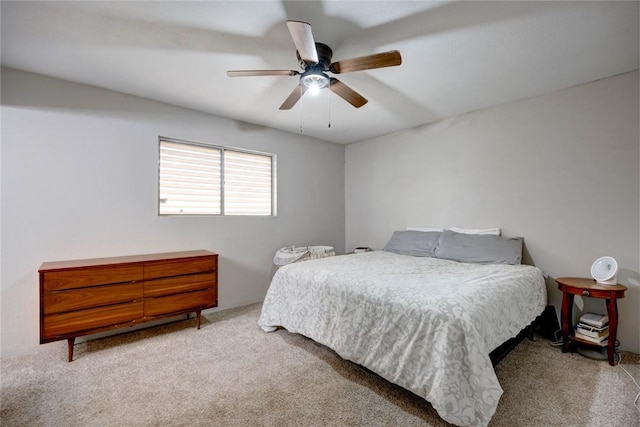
(457, 56)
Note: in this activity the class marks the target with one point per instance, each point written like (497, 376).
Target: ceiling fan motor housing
(324, 57)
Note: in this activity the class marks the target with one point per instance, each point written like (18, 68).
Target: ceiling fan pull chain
(301, 93)
(329, 108)
(300, 110)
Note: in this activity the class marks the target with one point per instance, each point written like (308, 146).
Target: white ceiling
(456, 56)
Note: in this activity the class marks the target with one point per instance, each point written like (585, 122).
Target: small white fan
(605, 271)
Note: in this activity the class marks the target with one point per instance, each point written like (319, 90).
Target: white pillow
(425, 229)
(494, 231)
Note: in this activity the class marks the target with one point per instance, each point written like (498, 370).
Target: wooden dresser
(83, 297)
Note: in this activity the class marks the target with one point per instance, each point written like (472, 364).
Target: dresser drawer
(90, 276)
(190, 301)
(156, 269)
(175, 285)
(76, 322)
(96, 296)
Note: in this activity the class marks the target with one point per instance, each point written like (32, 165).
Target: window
(198, 179)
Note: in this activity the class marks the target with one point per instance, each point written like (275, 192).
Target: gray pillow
(414, 243)
(479, 248)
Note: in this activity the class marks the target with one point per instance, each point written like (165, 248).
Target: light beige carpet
(230, 373)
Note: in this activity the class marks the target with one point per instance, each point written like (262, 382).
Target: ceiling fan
(315, 60)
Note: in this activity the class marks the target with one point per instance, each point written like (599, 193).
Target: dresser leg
(70, 343)
(198, 316)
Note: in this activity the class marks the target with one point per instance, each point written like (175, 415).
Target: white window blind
(247, 183)
(206, 180)
(189, 179)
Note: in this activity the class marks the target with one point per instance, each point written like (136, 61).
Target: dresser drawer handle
(585, 293)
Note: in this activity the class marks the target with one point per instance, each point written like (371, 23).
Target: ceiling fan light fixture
(314, 80)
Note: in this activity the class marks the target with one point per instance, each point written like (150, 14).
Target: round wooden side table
(571, 286)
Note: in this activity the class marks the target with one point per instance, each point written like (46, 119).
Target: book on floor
(594, 319)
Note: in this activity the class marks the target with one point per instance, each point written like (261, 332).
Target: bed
(421, 321)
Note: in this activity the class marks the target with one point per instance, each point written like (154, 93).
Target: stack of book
(593, 328)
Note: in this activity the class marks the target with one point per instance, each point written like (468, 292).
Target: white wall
(561, 170)
(79, 171)
(79, 180)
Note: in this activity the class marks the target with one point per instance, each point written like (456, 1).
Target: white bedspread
(425, 324)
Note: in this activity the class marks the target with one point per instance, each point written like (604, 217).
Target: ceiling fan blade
(346, 93)
(293, 97)
(378, 60)
(249, 73)
(303, 39)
